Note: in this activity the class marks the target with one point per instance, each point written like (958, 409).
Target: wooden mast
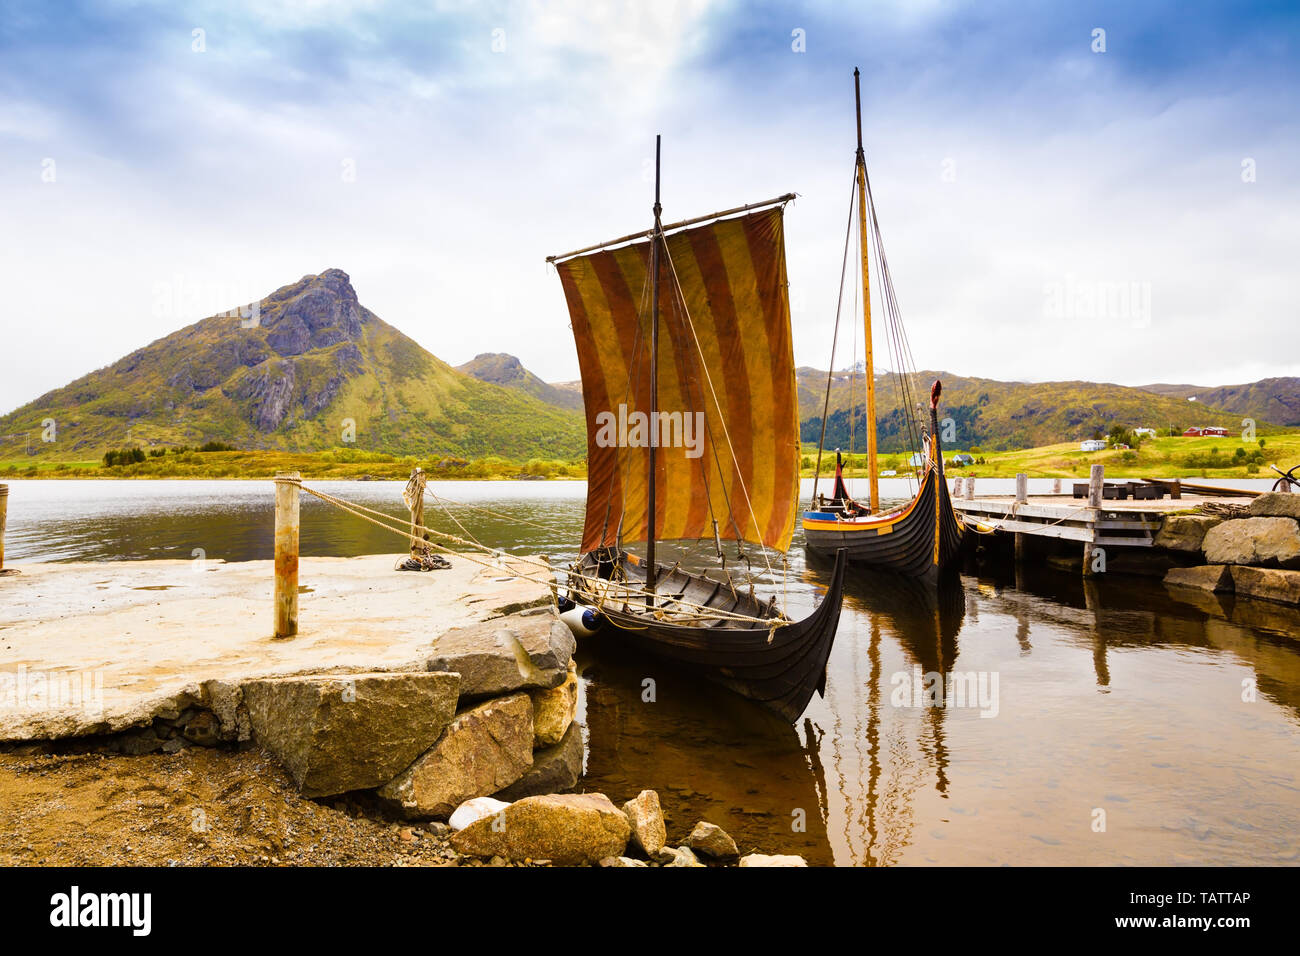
(866, 304)
(654, 387)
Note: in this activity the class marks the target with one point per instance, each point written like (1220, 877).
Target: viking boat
(688, 383)
(922, 536)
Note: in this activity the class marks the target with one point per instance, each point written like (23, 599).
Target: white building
(1093, 444)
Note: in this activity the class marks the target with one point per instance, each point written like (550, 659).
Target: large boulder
(1209, 577)
(1276, 504)
(554, 709)
(569, 829)
(335, 733)
(554, 770)
(713, 841)
(1185, 532)
(647, 819)
(1271, 541)
(506, 654)
(483, 749)
(1272, 584)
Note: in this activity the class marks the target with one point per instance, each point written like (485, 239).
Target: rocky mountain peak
(314, 312)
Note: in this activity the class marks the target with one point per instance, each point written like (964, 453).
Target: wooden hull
(920, 540)
(778, 664)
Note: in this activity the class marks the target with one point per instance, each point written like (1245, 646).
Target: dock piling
(1022, 487)
(1056, 486)
(1096, 479)
(970, 489)
(286, 554)
(4, 511)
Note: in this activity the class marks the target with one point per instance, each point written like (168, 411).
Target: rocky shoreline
(465, 756)
(1254, 554)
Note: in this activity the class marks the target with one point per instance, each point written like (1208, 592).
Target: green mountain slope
(502, 369)
(1275, 400)
(995, 415)
(315, 369)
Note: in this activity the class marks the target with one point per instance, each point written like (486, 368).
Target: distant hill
(1275, 400)
(506, 370)
(313, 362)
(994, 415)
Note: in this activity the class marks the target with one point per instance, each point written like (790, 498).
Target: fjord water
(1098, 721)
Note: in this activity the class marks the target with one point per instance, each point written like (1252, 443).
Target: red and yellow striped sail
(743, 467)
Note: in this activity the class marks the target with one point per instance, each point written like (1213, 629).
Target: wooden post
(417, 520)
(1056, 486)
(1096, 479)
(1020, 546)
(1022, 488)
(970, 488)
(4, 511)
(286, 554)
(956, 487)
(1175, 489)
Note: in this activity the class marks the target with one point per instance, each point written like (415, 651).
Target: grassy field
(1161, 457)
(1158, 458)
(335, 463)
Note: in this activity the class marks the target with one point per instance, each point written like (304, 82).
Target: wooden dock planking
(1116, 523)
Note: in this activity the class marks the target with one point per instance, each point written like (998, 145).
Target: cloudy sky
(1056, 202)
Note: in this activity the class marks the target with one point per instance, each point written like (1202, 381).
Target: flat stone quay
(139, 634)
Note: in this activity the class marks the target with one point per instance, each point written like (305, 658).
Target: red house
(1192, 432)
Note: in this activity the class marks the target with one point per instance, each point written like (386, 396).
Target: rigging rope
(365, 513)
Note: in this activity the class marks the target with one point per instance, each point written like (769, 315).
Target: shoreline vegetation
(1165, 457)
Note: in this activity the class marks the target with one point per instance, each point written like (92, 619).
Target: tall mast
(866, 303)
(654, 386)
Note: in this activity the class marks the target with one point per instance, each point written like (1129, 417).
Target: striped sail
(725, 362)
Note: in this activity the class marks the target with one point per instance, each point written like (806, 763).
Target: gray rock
(569, 829)
(615, 861)
(226, 701)
(1267, 541)
(1185, 532)
(678, 856)
(506, 654)
(483, 750)
(555, 769)
(762, 859)
(335, 733)
(1210, 577)
(1271, 584)
(647, 819)
(173, 746)
(554, 709)
(1276, 504)
(203, 729)
(713, 841)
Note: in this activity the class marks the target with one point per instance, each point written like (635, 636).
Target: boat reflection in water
(885, 747)
(710, 754)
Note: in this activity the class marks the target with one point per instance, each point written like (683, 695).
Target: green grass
(1158, 458)
(335, 463)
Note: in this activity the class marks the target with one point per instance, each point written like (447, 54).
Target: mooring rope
(595, 583)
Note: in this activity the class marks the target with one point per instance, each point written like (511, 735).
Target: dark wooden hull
(777, 663)
(905, 543)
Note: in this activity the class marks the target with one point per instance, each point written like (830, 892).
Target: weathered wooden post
(1096, 480)
(4, 511)
(970, 488)
(956, 487)
(286, 554)
(1056, 486)
(1022, 495)
(417, 513)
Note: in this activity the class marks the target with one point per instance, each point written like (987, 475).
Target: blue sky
(437, 152)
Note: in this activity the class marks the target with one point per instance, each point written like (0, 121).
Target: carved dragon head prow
(935, 389)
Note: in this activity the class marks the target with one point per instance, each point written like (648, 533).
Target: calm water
(1112, 729)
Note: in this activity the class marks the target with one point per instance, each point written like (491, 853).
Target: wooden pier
(1095, 521)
